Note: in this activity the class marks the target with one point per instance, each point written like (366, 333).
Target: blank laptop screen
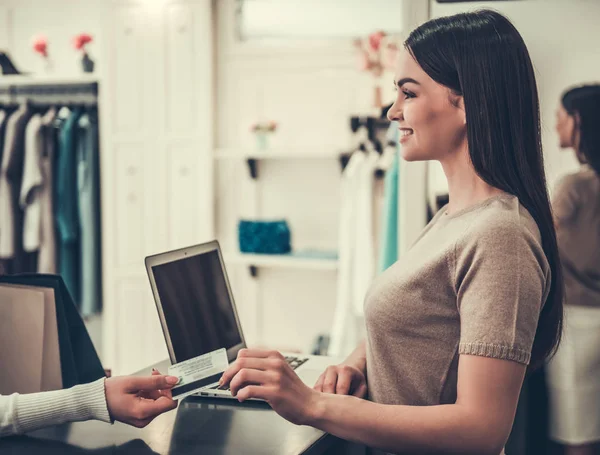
(197, 308)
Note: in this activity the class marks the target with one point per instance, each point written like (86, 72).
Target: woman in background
(574, 373)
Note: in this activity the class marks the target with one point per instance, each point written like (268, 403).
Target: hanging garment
(4, 114)
(88, 183)
(378, 201)
(11, 175)
(343, 331)
(364, 246)
(388, 247)
(29, 199)
(3, 117)
(66, 207)
(47, 259)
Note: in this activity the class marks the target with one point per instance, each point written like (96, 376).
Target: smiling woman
(433, 120)
(453, 325)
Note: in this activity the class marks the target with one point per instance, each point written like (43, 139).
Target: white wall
(562, 38)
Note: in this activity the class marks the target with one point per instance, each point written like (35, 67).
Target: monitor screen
(196, 305)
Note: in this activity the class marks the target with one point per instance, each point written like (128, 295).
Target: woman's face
(565, 125)
(431, 119)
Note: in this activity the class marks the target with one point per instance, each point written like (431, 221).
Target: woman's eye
(408, 94)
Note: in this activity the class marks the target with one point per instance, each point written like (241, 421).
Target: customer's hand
(342, 380)
(155, 394)
(138, 400)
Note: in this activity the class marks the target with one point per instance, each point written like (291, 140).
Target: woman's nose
(394, 113)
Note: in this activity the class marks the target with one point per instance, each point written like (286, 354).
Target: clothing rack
(49, 93)
(373, 125)
(49, 137)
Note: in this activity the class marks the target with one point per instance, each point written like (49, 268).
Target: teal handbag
(264, 237)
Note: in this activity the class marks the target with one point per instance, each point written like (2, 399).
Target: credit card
(197, 373)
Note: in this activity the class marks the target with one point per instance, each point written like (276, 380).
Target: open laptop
(198, 314)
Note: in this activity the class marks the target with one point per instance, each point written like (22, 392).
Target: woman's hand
(266, 375)
(138, 400)
(342, 380)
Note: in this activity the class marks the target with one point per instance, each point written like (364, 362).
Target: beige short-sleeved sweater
(473, 283)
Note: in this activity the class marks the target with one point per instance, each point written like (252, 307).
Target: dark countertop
(198, 425)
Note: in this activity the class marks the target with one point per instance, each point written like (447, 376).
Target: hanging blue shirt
(388, 246)
(88, 182)
(66, 204)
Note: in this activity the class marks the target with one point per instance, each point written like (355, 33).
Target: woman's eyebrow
(404, 80)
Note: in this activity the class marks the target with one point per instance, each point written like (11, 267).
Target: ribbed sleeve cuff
(496, 351)
(82, 402)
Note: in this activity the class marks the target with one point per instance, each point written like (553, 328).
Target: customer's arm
(28, 412)
(130, 399)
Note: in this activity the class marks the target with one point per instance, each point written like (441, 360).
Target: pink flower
(264, 127)
(79, 41)
(375, 40)
(40, 45)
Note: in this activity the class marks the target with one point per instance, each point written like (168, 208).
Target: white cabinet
(186, 210)
(157, 192)
(144, 343)
(128, 204)
(180, 70)
(127, 71)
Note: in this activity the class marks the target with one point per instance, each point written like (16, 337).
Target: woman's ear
(458, 101)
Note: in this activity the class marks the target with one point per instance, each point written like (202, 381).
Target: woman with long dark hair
(574, 373)
(451, 326)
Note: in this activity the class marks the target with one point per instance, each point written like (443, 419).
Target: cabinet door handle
(131, 198)
(131, 170)
(184, 171)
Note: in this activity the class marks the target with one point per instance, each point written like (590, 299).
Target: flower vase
(87, 63)
(48, 65)
(377, 96)
(262, 142)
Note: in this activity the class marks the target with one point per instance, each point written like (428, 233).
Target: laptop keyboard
(295, 362)
(292, 361)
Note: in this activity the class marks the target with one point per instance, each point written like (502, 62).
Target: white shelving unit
(281, 261)
(278, 154)
(292, 260)
(307, 269)
(41, 79)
